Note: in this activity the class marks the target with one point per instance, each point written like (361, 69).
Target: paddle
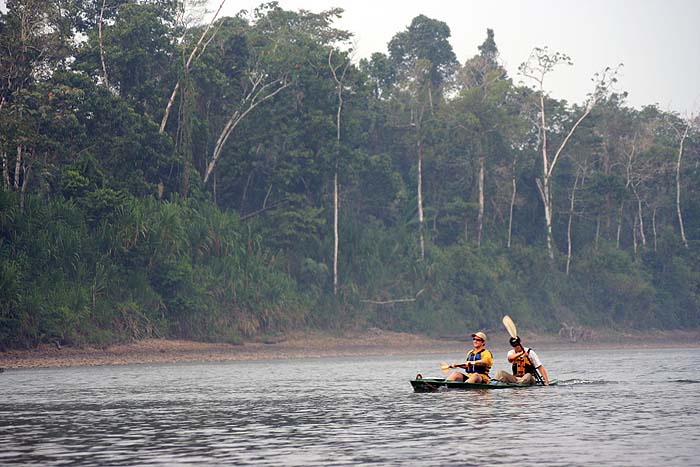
(510, 326)
(445, 368)
(512, 330)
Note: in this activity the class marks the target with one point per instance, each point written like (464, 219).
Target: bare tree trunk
(183, 138)
(634, 235)
(421, 235)
(102, 50)
(18, 167)
(22, 197)
(539, 65)
(619, 224)
(336, 238)
(480, 215)
(548, 166)
(169, 105)
(640, 216)
(252, 100)
(26, 169)
(543, 185)
(568, 227)
(549, 170)
(510, 212)
(5, 160)
(339, 91)
(5, 172)
(678, 186)
(653, 226)
(466, 227)
(543, 188)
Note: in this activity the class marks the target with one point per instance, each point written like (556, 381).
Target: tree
(424, 60)
(338, 71)
(681, 134)
(137, 48)
(381, 74)
(199, 47)
(424, 39)
(488, 49)
(483, 94)
(35, 42)
(540, 63)
(275, 51)
(642, 166)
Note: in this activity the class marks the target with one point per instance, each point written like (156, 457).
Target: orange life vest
(522, 365)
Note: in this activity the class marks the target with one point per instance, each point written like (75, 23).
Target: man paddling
(527, 367)
(478, 364)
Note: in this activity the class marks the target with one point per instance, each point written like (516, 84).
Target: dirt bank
(315, 345)
(293, 345)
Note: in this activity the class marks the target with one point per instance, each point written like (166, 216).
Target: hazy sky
(656, 40)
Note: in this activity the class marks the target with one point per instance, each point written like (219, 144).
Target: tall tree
(136, 46)
(681, 135)
(427, 40)
(197, 50)
(484, 91)
(338, 72)
(541, 63)
(35, 41)
(424, 60)
(276, 42)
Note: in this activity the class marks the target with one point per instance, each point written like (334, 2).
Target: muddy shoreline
(373, 342)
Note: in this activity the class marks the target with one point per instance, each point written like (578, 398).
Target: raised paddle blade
(510, 326)
(444, 367)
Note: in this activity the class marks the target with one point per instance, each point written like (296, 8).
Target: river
(612, 408)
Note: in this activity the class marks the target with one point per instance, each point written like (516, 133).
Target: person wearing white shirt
(527, 367)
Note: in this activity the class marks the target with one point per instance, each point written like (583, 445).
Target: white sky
(656, 40)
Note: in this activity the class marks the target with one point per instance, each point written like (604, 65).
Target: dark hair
(514, 341)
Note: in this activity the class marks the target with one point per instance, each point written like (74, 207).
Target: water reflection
(348, 412)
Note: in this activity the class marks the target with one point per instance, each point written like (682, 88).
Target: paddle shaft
(464, 366)
(445, 367)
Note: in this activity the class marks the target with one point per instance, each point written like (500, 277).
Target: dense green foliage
(220, 227)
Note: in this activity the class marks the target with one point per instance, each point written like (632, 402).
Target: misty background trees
(236, 179)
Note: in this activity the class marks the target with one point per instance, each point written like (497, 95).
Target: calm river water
(611, 408)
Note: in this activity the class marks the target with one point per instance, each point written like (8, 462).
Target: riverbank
(320, 345)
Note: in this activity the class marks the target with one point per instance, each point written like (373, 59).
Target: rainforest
(236, 179)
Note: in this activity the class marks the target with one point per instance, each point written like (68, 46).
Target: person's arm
(543, 373)
(512, 355)
(486, 359)
(535, 360)
(462, 365)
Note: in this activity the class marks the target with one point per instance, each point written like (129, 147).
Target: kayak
(436, 384)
